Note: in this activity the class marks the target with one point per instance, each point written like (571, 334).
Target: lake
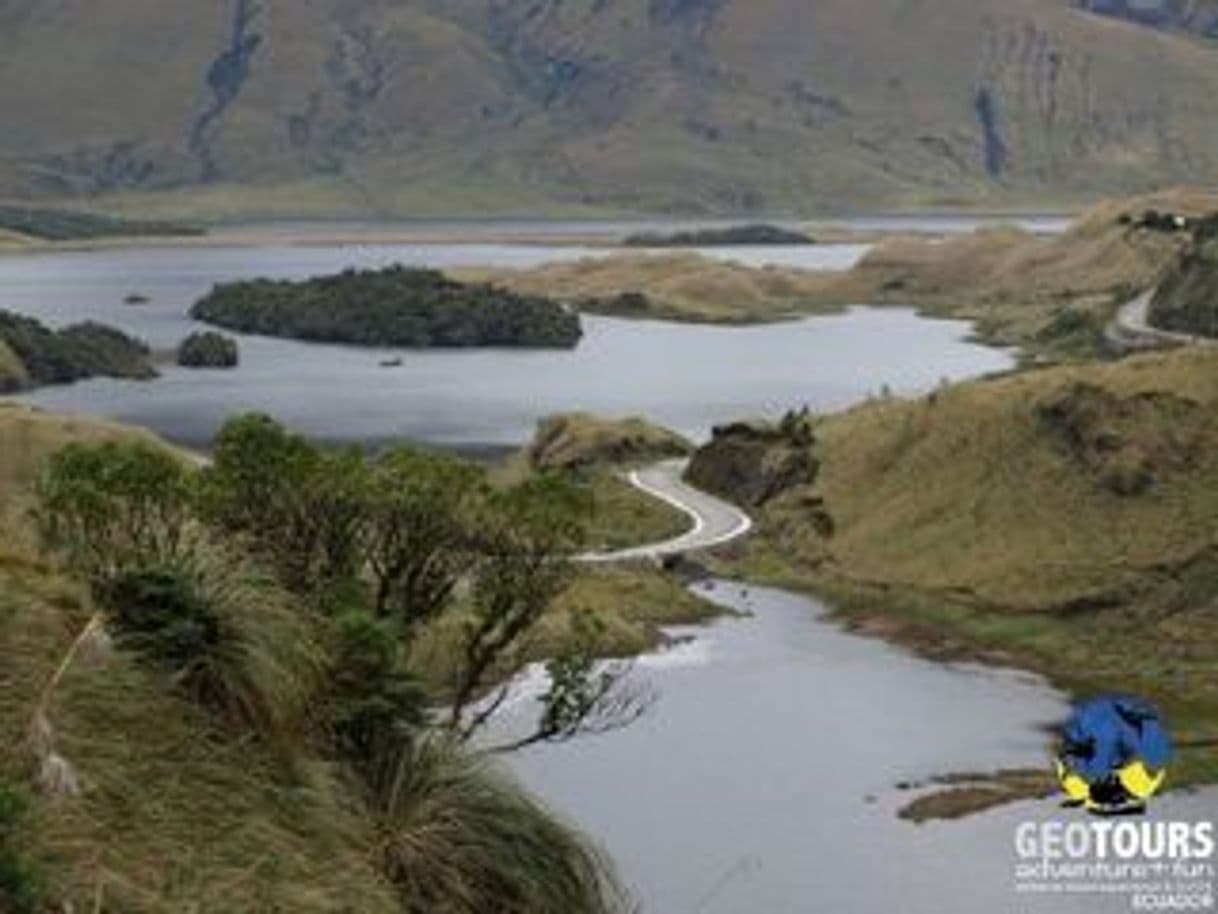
(764, 779)
(686, 376)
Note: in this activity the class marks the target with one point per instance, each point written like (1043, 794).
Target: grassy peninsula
(391, 307)
(24, 222)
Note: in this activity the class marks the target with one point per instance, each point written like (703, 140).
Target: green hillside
(1060, 520)
(416, 107)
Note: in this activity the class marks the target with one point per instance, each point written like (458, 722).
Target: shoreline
(604, 232)
(900, 616)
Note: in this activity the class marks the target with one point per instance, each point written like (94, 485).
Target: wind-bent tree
(303, 509)
(586, 695)
(419, 540)
(527, 537)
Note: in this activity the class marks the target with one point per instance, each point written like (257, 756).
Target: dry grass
(1016, 285)
(681, 286)
(597, 453)
(977, 489)
(175, 813)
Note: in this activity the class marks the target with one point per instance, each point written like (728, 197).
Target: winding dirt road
(714, 521)
(1131, 330)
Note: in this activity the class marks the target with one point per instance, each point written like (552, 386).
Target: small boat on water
(391, 363)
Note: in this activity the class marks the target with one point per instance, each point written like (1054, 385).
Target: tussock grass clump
(457, 837)
(226, 636)
(177, 809)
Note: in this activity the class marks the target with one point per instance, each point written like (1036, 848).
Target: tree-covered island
(397, 306)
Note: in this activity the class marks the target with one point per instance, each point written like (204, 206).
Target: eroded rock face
(1187, 298)
(577, 440)
(751, 463)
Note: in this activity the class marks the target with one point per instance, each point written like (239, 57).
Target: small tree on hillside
(303, 509)
(526, 540)
(419, 539)
(114, 505)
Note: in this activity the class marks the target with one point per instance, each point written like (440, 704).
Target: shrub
(21, 886)
(99, 350)
(114, 505)
(228, 639)
(421, 516)
(302, 509)
(208, 350)
(374, 702)
(459, 837)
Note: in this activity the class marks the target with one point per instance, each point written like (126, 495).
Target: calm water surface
(689, 377)
(763, 779)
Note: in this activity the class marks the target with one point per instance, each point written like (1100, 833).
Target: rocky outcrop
(751, 463)
(577, 440)
(1187, 298)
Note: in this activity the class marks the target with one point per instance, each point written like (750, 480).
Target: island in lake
(397, 306)
(33, 355)
(737, 234)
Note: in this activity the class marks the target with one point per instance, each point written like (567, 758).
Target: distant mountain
(214, 107)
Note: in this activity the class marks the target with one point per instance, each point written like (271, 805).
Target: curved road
(1131, 329)
(714, 521)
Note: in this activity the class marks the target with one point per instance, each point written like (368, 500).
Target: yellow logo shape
(1141, 782)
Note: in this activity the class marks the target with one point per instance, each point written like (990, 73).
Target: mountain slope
(426, 106)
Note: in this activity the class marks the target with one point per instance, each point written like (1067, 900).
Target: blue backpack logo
(1113, 755)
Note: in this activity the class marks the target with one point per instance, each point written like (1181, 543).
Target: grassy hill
(124, 787)
(1062, 519)
(663, 105)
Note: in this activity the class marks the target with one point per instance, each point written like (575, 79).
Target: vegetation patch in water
(757, 234)
(31, 354)
(396, 306)
(208, 350)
